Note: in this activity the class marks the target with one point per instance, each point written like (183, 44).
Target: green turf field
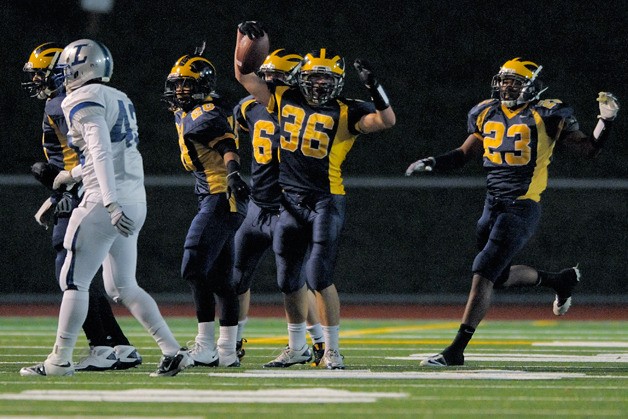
(569, 369)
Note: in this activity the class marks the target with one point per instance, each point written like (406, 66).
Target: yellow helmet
(197, 74)
(43, 64)
(281, 65)
(321, 76)
(517, 82)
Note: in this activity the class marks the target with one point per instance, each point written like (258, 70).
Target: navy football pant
(307, 222)
(503, 230)
(208, 260)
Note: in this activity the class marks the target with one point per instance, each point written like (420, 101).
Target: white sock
(316, 333)
(332, 338)
(296, 335)
(206, 333)
(145, 310)
(72, 314)
(227, 339)
(241, 325)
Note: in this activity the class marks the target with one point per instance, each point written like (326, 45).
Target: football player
(255, 235)
(104, 228)
(109, 347)
(208, 150)
(317, 129)
(515, 132)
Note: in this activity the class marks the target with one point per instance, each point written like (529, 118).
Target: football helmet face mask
(517, 82)
(83, 61)
(282, 66)
(321, 76)
(190, 81)
(44, 78)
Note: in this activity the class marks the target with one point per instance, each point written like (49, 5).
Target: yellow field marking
(384, 330)
(545, 323)
(352, 334)
(371, 331)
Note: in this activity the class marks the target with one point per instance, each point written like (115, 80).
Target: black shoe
(443, 360)
(172, 365)
(240, 348)
(318, 350)
(568, 279)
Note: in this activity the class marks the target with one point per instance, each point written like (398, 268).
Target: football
(251, 53)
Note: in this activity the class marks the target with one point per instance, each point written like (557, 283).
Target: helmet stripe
(107, 55)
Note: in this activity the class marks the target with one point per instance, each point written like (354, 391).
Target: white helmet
(85, 60)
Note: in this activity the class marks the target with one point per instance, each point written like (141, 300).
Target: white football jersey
(102, 124)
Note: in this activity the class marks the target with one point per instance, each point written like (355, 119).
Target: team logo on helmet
(517, 82)
(44, 78)
(321, 76)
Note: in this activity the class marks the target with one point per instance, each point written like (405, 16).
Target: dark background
(435, 59)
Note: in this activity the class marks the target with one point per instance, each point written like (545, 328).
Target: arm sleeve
(96, 135)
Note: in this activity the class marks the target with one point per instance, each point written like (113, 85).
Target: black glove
(237, 186)
(380, 99)
(365, 73)
(252, 28)
(44, 173)
(64, 206)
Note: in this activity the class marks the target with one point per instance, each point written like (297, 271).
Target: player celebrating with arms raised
(317, 130)
(516, 133)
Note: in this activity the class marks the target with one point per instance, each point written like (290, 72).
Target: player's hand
(63, 178)
(45, 214)
(119, 220)
(365, 73)
(609, 105)
(64, 206)
(423, 165)
(237, 186)
(252, 28)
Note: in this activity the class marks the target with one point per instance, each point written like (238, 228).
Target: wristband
(600, 133)
(232, 167)
(380, 98)
(453, 159)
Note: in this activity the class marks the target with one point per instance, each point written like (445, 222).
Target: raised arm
(576, 142)
(251, 82)
(384, 116)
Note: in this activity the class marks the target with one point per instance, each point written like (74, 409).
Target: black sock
(464, 335)
(547, 279)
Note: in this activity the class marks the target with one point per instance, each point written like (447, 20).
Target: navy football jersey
(518, 144)
(252, 117)
(55, 142)
(314, 141)
(199, 131)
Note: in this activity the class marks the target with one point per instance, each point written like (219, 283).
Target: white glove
(44, 215)
(63, 178)
(119, 220)
(64, 206)
(423, 165)
(609, 105)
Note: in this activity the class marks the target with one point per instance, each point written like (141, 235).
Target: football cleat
(439, 360)
(128, 357)
(290, 357)
(100, 358)
(333, 360)
(318, 350)
(203, 355)
(48, 368)
(171, 365)
(240, 348)
(569, 278)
